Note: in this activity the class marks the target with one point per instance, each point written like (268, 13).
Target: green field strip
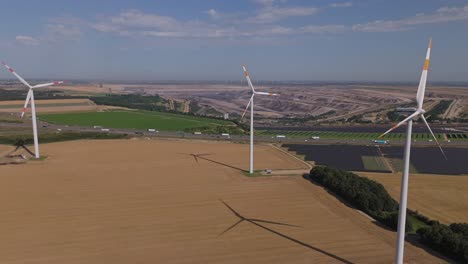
(132, 119)
(374, 163)
(397, 165)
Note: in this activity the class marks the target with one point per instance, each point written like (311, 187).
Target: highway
(234, 138)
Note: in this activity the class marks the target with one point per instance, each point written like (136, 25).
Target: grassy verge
(257, 173)
(373, 163)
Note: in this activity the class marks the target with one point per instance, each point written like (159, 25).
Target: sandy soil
(4, 149)
(440, 197)
(142, 201)
(455, 109)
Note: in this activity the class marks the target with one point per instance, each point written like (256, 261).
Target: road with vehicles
(237, 138)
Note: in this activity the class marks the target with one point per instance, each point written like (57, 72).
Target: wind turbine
(415, 113)
(251, 104)
(30, 97)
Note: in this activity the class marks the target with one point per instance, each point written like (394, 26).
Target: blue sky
(361, 40)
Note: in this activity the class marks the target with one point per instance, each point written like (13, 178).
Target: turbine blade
(46, 84)
(231, 227)
(247, 107)
(232, 210)
(246, 74)
(422, 82)
(433, 136)
(401, 123)
(28, 98)
(271, 222)
(16, 75)
(263, 93)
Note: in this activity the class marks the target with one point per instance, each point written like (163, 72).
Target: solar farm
(384, 158)
(361, 135)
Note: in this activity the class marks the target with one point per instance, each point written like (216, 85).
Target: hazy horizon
(323, 41)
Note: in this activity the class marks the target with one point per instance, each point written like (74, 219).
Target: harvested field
(4, 149)
(56, 105)
(144, 201)
(440, 197)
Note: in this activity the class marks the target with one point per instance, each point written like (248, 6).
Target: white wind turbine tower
(29, 97)
(415, 113)
(251, 104)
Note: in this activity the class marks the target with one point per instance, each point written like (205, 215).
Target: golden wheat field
(150, 201)
(439, 197)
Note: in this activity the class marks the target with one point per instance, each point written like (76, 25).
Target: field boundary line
(385, 160)
(307, 164)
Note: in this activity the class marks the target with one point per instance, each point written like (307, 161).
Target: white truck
(105, 129)
(280, 136)
(315, 137)
(152, 130)
(197, 133)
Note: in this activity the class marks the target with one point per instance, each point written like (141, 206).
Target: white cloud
(27, 40)
(442, 15)
(324, 29)
(213, 14)
(342, 4)
(58, 32)
(137, 23)
(272, 14)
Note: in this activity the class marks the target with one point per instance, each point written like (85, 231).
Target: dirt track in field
(439, 197)
(144, 201)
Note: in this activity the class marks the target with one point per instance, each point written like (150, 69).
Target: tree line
(133, 101)
(372, 198)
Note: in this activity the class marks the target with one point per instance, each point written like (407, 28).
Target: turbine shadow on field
(201, 156)
(195, 156)
(257, 223)
(25, 148)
